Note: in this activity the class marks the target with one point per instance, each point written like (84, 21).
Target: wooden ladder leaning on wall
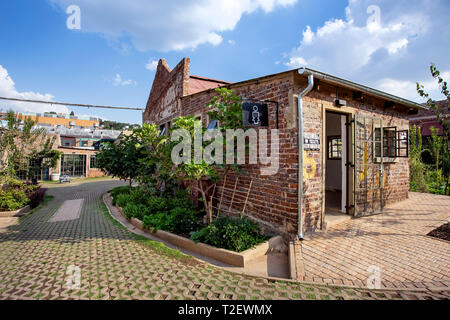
(219, 208)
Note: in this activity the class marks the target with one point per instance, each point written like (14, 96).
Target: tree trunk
(438, 181)
(131, 182)
(446, 184)
(208, 205)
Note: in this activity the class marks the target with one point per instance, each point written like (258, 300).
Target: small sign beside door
(311, 142)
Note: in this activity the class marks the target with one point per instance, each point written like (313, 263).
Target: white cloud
(407, 89)
(390, 51)
(308, 35)
(166, 25)
(8, 90)
(231, 42)
(296, 62)
(151, 65)
(118, 81)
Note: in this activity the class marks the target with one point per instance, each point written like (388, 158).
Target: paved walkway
(394, 244)
(40, 260)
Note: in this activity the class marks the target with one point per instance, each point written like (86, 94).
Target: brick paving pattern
(35, 255)
(395, 241)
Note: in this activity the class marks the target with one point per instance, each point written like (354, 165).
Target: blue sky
(388, 46)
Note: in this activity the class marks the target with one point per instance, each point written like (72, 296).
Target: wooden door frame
(350, 113)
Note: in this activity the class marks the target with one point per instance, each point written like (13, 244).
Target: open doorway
(336, 179)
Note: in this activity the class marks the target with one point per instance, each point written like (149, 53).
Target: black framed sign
(255, 114)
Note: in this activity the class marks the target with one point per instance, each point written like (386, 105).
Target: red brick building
(353, 142)
(425, 119)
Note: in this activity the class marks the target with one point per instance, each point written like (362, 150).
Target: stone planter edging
(238, 259)
(18, 213)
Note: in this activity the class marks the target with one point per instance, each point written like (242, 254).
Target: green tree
(20, 141)
(200, 175)
(226, 108)
(156, 165)
(436, 145)
(416, 166)
(122, 158)
(442, 117)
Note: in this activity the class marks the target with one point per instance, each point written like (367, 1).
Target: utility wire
(72, 104)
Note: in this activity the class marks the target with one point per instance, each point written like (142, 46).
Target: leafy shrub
(13, 199)
(37, 197)
(179, 203)
(123, 199)
(181, 221)
(14, 183)
(132, 210)
(435, 181)
(138, 196)
(119, 190)
(157, 204)
(233, 234)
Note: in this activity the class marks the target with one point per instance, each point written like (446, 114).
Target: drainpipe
(301, 71)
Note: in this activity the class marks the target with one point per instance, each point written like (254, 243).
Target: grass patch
(106, 213)
(46, 200)
(162, 248)
(156, 246)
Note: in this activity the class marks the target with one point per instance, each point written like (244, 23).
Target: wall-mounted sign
(255, 114)
(311, 142)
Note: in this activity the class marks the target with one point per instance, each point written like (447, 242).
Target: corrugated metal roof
(198, 84)
(84, 133)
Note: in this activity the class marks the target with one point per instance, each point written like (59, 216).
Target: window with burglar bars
(395, 143)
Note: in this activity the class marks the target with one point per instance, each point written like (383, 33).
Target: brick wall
(168, 86)
(273, 199)
(396, 184)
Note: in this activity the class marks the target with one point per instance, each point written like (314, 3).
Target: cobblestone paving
(35, 255)
(394, 241)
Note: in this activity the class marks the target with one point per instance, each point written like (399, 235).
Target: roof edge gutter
(300, 149)
(355, 86)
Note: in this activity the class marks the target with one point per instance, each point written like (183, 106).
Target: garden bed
(17, 213)
(238, 259)
(18, 198)
(250, 244)
(443, 232)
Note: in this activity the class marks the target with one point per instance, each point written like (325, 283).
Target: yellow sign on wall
(309, 167)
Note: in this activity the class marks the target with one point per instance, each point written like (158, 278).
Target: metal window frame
(74, 164)
(383, 146)
(95, 161)
(399, 141)
(362, 138)
(213, 124)
(330, 139)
